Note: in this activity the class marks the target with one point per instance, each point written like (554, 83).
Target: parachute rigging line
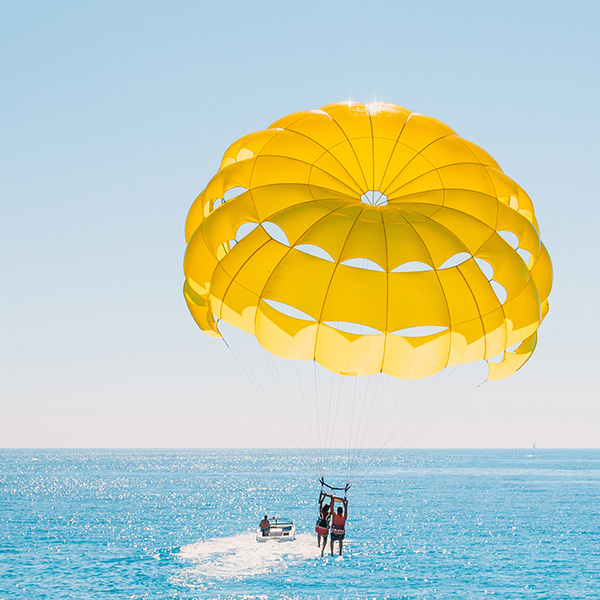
(283, 393)
(419, 403)
(318, 427)
(454, 403)
(304, 402)
(374, 408)
(351, 427)
(334, 421)
(231, 345)
(368, 468)
(360, 421)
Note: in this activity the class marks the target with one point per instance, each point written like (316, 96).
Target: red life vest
(338, 520)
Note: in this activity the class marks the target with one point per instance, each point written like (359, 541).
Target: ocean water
(437, 524)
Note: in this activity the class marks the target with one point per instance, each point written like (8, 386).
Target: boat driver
(265, 526)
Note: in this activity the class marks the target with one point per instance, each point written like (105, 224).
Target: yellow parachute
(370, 239)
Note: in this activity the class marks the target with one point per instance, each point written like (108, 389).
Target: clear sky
(114, 116)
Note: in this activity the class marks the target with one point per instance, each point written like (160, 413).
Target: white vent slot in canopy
(510, 238)
(363, 263)
(314, 251)
(276, 232)
(455, 260)
(244, 230)
(525, 255)
(420, 331)
(374, 198)
(233, 192)
(412, 267)
(500, 291)
(486, 268)
(289, 311)
(355, 328)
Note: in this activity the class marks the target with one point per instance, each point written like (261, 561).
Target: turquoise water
(436, 524)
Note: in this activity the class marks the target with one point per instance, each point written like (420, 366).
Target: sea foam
(240, 556)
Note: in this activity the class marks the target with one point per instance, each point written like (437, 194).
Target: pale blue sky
(114, 117)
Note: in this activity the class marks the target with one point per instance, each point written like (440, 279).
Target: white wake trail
(241, 556)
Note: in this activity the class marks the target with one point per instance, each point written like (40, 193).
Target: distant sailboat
(533, 451)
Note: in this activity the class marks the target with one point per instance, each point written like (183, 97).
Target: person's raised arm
(332, 505)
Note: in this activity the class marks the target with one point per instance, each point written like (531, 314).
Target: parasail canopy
(370, 239)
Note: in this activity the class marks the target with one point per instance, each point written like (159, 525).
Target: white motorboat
(282, 530)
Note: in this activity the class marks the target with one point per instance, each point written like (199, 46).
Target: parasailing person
(322, 526)
(338, 523)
